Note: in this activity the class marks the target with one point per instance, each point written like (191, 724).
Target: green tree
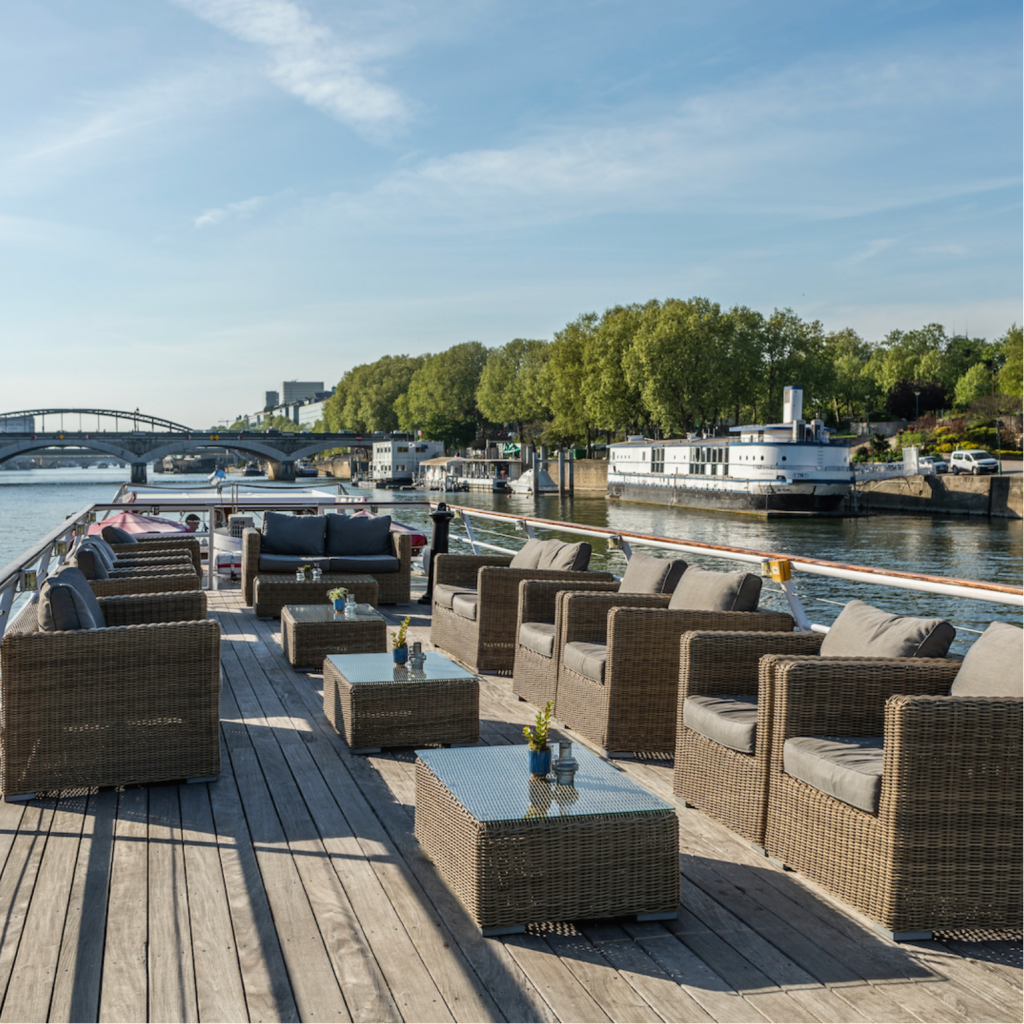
(791, 352)
(372, 390)
(853, 385)
(613, 400)
(1012, 372)
(565, 384)
(904, 356)
(441, 399)
(511, 388)
(678, 361)
(975, 383)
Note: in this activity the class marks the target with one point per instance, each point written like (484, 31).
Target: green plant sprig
(537, 737)
(337, 594)
(398, 636)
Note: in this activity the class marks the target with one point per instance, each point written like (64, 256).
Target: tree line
(668, 367)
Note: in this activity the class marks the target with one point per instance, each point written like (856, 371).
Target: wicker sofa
(724, 737)
(936, 843)
(336, 544)
(475, 607)
(133, 701)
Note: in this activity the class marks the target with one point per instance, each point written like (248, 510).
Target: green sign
(510, 450)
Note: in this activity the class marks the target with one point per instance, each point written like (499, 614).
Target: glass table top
(326, 613)
(381, 668)
(494, 784)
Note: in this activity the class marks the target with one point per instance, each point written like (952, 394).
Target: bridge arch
(16, 448)
(155, 423)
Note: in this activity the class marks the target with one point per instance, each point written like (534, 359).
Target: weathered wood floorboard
(293, 888)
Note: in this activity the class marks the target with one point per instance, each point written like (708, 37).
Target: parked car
(973, 461)
(937, 464)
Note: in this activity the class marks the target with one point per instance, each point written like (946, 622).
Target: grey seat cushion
(862, 631)
(727, 720)
(66, 601)
(444, 593)
(528, 555)
(648, 574)
(289, 563)
(587, 660)
(365, 563)
(115, 535)
(994, 666)
(88, 560)
(848, 768)
(701, 590)
(538, 637)
(564, 557)
(293, 535)
(358, 535)
(465, 604)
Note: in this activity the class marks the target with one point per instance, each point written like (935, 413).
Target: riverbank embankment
(1000, 496)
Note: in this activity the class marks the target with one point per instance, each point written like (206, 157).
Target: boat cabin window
(657, 460)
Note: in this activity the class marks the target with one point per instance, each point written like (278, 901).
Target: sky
(200, 199)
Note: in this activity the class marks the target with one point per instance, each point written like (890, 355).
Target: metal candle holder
(416, 656)
(565, 765)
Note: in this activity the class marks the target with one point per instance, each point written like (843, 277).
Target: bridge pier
(280, 470)
(139, 472)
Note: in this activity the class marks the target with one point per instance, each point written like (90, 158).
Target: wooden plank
(124, 992)
(76, 991)
(660, 991)
(220, 991)
(265, 982)
(35, 966)
(172, 973)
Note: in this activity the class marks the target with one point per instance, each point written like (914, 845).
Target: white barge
(765, 469)
(463, 473)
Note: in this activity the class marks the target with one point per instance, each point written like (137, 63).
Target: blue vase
(540, 761)
(400, 654)
(339, 605)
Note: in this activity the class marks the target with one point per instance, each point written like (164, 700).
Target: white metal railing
(888, 469)
(625, 540)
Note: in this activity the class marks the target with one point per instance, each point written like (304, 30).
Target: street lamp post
(917, 405)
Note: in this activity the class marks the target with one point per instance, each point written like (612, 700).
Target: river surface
(33, 502)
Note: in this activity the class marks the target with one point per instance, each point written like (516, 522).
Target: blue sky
(202, 198)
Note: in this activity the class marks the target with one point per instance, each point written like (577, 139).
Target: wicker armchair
(943, 848)
(729, 785)
(392, 587)
(487, 642)
(535, 674)
(136, 702)
(156, 580)
(162, 546)
(634, 708)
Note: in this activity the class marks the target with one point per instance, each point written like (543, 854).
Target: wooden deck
(293, 889)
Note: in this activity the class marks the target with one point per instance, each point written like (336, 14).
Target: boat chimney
(792, 404)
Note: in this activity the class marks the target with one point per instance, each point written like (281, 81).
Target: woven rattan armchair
(634, 709)
(535, 675)
(726, 784)
(150, 580)
(161, 546)
(943, 849)
(487, 642)
(392, 587)
(136, 702)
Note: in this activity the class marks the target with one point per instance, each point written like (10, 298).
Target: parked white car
(974, 461)
(937, 464)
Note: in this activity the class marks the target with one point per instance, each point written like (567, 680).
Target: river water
(34, 502)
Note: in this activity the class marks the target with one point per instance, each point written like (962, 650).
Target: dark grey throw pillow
(86, 558)
(115, 535)
(862, 631)
(994, 666)
(564, 557)
(102, 548)
(358, 535)
(648, 574)
(293, 535)
(66, 601)
(528, 555)
(701, 590)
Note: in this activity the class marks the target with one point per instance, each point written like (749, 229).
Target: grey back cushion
(358, 535)
(66, 601)
(564, 557)
(293, 535)
(115, 535)
(88, 560)
(102, 548)
(528, 555)
(994, 666)
(862, 631)
(700, 590)
(648, 574)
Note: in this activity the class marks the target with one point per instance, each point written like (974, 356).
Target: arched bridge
(140, 447)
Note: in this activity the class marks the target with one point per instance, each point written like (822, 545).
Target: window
(657, 460)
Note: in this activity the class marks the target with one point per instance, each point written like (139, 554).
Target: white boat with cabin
(464, 473)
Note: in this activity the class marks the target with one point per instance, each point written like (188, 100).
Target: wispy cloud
(307, 60)
(232, 211)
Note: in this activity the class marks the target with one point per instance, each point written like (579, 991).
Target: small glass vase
(317, 573)
(351, 606)
(540, 762)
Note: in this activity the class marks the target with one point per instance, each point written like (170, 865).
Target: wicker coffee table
(309, 632)
(272, 591)
(375, 703)
(518, 851)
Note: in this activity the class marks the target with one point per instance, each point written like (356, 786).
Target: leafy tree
(740, 386)
(612, 400)
(903, 403)
(853, 385)
(977, 381)
(512, 384)
(282, 423)
(372, 389)
(441, 399)
(565, 385)
(1012, 372)
(791, 353)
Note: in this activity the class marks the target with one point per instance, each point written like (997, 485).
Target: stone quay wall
(1001, 496)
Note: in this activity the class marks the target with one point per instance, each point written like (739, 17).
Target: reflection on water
(34, 502)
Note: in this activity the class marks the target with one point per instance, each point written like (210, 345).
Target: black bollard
(442, 518)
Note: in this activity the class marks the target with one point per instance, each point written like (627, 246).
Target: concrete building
(295, 391)
(17, 424)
